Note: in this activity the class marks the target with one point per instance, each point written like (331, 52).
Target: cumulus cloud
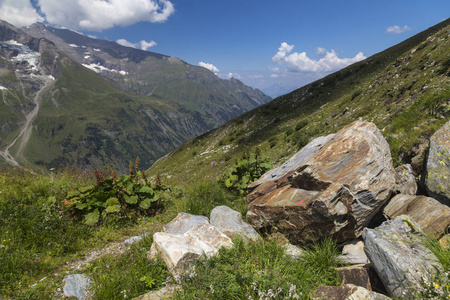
(92, 15)
(321, 51)
(210, 67)
(19, 12)
(274, 75)
(141, 45)
(274, 69)
(397, 29)
(300, 62)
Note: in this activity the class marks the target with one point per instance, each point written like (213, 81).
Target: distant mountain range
(68, 99)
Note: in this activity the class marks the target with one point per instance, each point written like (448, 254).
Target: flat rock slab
(76, 285)
(356, 275)
(397, 255)
(432, 216)
(336, 192)
(437, 173)
(183, 222)
(296, 161)
(231, 224)
(346, 292)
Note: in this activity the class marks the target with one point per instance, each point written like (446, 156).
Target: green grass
(260, 270)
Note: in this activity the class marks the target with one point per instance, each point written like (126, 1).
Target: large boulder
(334, 193)
(437, 173)
(231, 224)
(179, 251)
(432, 216)
(399, 258)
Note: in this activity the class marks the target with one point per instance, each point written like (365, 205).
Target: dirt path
(25, 132)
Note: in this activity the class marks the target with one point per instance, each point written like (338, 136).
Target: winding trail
(25, 132)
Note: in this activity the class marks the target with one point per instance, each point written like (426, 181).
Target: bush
(117, 199)
(301, 124)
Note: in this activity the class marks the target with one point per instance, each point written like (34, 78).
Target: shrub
(247, 170)
(115, 199)
(301, 124)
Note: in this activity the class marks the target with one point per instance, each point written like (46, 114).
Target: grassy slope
(391, 88)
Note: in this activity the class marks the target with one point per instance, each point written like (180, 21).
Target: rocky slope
(404, 91)
(98, 104)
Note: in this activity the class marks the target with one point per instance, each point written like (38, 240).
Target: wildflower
(212, 289)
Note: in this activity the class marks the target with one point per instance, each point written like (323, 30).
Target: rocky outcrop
(398, 257)
(334, 193)
(356, 275)
(405, 181)
(432, 216)
(437, 173)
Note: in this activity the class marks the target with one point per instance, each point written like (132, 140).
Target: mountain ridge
(88, 120)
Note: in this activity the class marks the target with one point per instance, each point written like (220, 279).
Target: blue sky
(276, 46)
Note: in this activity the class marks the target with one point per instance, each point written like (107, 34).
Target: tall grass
(261, 271)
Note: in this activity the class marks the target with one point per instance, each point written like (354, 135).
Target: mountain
(152, 74)
(404, 90)
(96, 103)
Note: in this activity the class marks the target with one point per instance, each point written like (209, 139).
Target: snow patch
(2, 88)
(98, 50)
(73, 45)
(86, 57)
(25, 53)
(97, 68)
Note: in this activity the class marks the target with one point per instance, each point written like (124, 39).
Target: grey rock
(296, 161)
(230, 223)
(76, 285)
(437, 173)
(397, 255)
(183, 222)
(353, 253)
(432, 216)
(292, 251)
(405, 181)
(334, 193)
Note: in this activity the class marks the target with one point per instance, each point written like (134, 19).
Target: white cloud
(274, 75)
(210, 67)
(321, 51)
(300, 62)
(19, 12)
(141, 45)
(275, 69)
(233, 75)
(256, 76)
(92, 15)
(397, 29)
